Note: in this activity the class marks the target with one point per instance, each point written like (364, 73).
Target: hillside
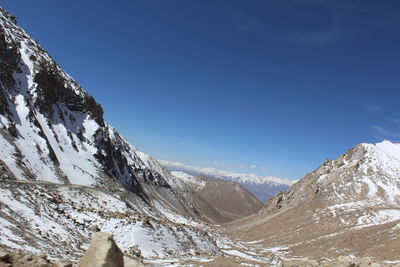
(350, 205)
(230, 199)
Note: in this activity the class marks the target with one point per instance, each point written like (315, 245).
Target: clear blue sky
(280, 84)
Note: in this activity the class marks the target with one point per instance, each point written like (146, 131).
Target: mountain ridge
(347, 205)
(229, 198)
(244, 177)
(263, 187)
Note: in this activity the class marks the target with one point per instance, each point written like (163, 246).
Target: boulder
(102, 252)
(4, 254)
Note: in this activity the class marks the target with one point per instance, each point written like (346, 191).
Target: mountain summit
(350, 205)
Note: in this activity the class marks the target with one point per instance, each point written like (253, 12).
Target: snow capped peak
(355, 196)
(387, 147)
(263, 187)
(242, 177)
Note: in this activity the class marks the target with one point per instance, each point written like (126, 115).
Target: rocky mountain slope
(263, 187)
(350, 205)
(66, 173)
(231, 200)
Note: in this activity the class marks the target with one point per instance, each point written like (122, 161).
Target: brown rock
(21, 259)
(28, 258)
(62, 263)
(4, 254)
(42, 255)
(129, 262)
(94, 228)
(103, 252)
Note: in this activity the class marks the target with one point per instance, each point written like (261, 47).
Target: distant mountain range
(263, 187)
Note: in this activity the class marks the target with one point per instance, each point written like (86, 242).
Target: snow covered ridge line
(242, 177)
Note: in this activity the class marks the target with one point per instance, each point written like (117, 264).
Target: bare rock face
(103, 252)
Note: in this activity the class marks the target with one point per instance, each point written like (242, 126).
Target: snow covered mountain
(65, 172)
(263, 187)
(52, 130)
(350, 205)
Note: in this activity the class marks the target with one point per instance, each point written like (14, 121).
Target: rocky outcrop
(103, 252)
(53, 89)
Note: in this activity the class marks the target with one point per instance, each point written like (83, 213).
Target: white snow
(378, 217)
(254, 242)
(384, 159)
(155, 237)
(189, 179)
(242, 177)
(102, 201)
(277, 250)
(40, 166)
(43, 223)
(243, 255)
(389, 148)
(7, 152)
(8, 238)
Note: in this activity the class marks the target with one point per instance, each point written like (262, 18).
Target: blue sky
(270, 87)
